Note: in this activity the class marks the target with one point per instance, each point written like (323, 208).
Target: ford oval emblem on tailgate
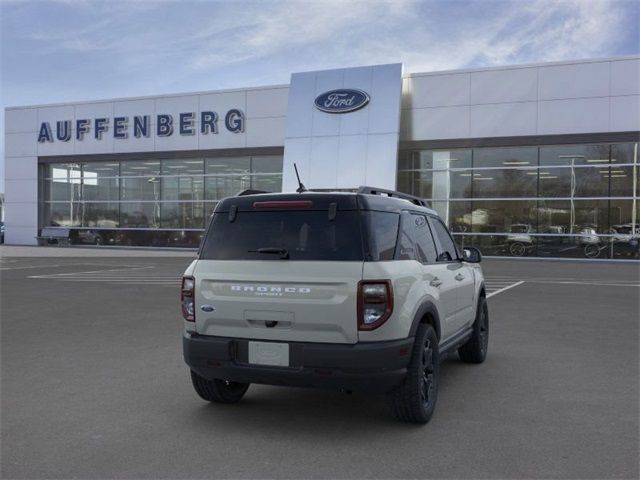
(207, 308)
(341, 101)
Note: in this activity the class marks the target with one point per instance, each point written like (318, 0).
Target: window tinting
(424, 240)
(406, 239)
(305, 235)
(449, 251)
(382, 234)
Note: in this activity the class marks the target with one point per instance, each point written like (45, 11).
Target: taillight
(375, 303)
(187, 298)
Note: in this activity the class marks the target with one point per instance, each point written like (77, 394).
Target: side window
(415, 241)
(383, 233)
(406, 241)
(449, 251)
(424, 241)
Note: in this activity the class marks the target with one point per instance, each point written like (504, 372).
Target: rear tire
(475, 349)
(218, 391)
(414, 401)
(517, 249)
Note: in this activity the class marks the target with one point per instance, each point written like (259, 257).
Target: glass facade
(158, 202)
(577, 201)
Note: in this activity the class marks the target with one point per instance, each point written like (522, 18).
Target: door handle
(459, 277)
(436, 282)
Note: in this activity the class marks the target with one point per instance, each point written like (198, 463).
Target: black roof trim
(366, 190)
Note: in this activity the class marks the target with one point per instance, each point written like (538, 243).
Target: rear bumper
(373, 366)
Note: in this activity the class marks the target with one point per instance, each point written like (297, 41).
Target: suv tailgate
(308, 301)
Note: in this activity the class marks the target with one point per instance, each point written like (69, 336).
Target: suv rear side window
(416, 241)
(449, 251)
(424, 240)
(382, 234)
(304, 234)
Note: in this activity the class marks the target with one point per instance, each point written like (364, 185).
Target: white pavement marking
(130, 275)
(98, 272)
(600, 284)
(556, 279)
(493, 284)
(30, 266)
(47, 266)
(504, 289)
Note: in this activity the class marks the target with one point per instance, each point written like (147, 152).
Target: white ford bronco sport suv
(357, 291)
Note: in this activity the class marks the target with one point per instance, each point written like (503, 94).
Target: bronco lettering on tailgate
(273, 291)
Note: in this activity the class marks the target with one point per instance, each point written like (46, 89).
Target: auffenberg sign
(140, 126)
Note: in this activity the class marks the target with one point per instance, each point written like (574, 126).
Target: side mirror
(471, 255)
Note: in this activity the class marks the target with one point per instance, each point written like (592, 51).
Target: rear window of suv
(303, 235)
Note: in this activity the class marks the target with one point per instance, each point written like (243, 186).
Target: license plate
(269, 353)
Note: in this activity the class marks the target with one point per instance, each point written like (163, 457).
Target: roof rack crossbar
(392, 193)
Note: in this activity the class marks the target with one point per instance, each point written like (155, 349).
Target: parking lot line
(599, 284)
(47, 266)
(97, 272)
(504, 289)
(129, 275)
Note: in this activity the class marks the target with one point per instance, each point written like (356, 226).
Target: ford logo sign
(341, 101)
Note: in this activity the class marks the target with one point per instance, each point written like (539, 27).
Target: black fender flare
(427, 308)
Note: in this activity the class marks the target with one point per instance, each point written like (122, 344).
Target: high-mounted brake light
(375, 303)
(284, 204)
(187, 298)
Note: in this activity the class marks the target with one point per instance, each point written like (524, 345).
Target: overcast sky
(58, 51)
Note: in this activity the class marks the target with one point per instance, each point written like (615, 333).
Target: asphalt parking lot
(93, 385)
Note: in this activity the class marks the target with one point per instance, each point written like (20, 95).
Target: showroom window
(149, 201)
(558, 200)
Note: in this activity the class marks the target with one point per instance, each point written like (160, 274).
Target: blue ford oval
(341, 101)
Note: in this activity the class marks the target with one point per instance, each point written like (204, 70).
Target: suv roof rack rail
(392, 193)
(250, 191)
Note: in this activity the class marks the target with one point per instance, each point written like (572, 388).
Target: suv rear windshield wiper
(283, 252)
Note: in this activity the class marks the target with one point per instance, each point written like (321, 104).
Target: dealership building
(525, 160)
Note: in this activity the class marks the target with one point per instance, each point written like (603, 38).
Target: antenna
(301, 188)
